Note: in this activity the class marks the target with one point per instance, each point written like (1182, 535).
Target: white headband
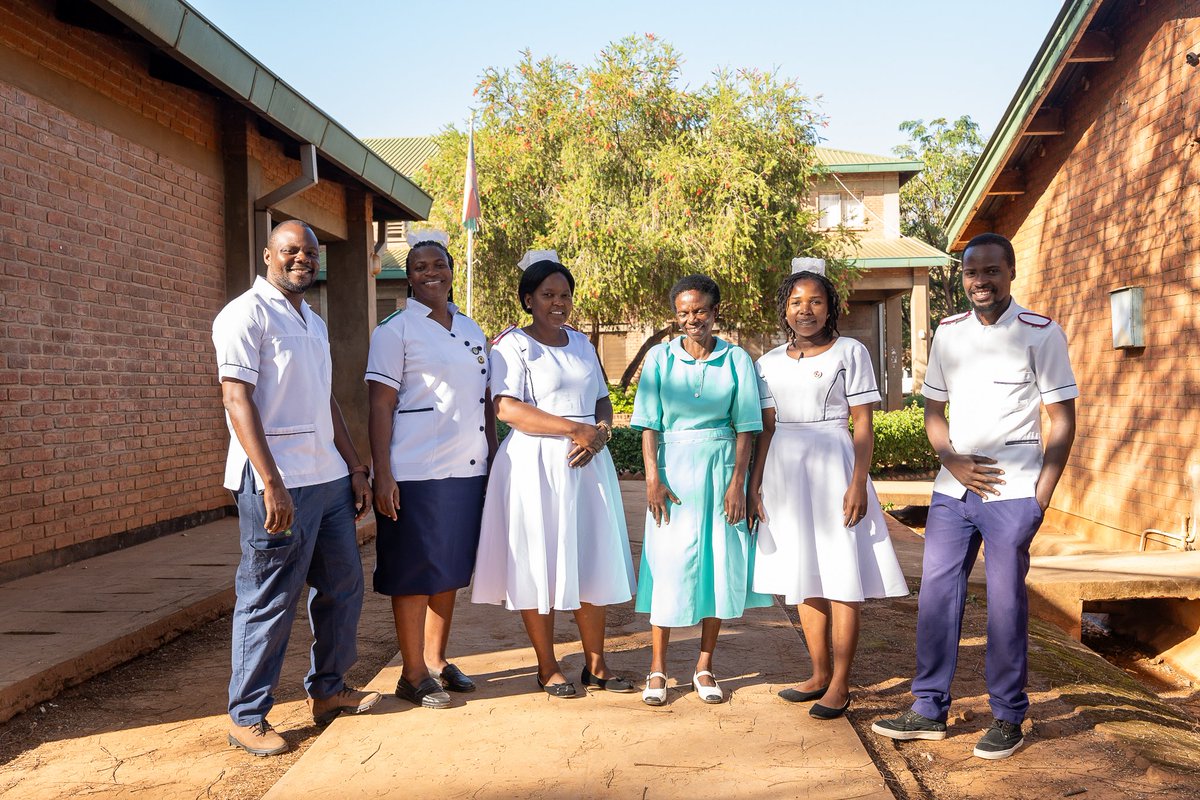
(534, 256)
(815, 265)
(426, 235)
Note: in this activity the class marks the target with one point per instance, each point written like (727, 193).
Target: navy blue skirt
(431, 547)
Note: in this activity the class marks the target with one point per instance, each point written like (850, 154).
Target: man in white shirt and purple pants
(996, 365)
(299, 486)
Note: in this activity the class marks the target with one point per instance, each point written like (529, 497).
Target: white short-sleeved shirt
(565, 381)
(817, 388)
(440, 377)
(996, 378)
(263, 340)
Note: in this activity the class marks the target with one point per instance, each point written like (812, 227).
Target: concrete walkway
(510, 740)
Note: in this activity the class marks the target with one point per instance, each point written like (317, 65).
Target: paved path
(509, 740)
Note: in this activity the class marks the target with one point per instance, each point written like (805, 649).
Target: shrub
(622, 399)
(900, 441)
(626, 449)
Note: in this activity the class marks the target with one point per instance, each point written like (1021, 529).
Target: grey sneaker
(910, 725)
(1000, 741)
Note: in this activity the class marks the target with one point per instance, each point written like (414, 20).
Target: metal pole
(470, 258)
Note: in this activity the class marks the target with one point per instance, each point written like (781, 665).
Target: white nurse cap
(426, 235)
(534, 256)
(815, 265)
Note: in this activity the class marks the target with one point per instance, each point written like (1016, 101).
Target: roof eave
(1070, 23)
(183, 33)
(900, 263)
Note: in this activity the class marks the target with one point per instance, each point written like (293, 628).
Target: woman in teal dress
(697, 406)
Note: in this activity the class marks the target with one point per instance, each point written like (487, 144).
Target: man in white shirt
(299, 486)
(997, 366)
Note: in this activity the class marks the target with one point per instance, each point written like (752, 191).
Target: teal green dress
(698, 565)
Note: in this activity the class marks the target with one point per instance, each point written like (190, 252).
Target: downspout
(263, 205)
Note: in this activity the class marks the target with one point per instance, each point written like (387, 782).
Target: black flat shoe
(798, 696)
(563, 690)
(819, 711)
(617, 684)
(428, 694)
(453, 679)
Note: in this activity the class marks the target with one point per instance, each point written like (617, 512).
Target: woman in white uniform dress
(431, 434)
(554, 533)
(822, 539)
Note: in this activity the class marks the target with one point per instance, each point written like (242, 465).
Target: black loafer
(819, 711)
(616, 684)
(798, 696)
(428, 694)
(563, 690)
(453, 679)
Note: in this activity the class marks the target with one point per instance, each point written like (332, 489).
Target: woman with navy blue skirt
(432, 435)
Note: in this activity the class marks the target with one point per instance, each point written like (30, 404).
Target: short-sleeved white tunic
(996, 379)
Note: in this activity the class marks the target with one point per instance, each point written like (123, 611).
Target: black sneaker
(1000, 741)
(910, 725)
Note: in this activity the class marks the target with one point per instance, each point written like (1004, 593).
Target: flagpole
(470, 259)
(470, 215)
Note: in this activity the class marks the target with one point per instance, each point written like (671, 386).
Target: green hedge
(900, 443)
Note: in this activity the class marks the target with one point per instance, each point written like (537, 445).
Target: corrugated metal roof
(187, 36)
(903, 252)
(406, 154)
(851, 161)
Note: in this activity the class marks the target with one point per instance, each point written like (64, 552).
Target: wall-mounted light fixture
(1127, 320)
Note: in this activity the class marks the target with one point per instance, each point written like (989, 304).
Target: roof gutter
(1070, 24)
(183, 33)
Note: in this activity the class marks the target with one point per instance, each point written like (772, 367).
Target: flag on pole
(470, 215)
(470, 212)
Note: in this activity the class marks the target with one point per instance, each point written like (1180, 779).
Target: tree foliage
(949, 152)
(636, 180)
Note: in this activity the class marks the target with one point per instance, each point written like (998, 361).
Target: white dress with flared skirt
(553, 536)
(804, 548)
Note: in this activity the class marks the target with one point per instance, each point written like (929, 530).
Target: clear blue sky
(390, 68)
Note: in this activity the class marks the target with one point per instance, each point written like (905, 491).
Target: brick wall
(1117, 205)
(112, 419)
(111, 270)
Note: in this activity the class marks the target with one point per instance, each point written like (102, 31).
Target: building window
(837, 209)
(853, 215)
(829, 207)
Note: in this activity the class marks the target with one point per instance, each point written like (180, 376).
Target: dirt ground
(155, 727)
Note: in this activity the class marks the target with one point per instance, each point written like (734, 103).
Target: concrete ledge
(1060, 585)
(904, 493)
(61, 627)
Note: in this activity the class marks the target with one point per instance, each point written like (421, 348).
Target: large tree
(636, 180)
(949, 151)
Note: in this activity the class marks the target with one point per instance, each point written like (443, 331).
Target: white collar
(416, 305)
(719, 348)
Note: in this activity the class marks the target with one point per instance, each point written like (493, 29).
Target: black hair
(696, 283)
(429, 243)
(831, 297)
(994, 238)
(536, 274)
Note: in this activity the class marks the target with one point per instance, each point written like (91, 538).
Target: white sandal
(709, 694)
(655, 697)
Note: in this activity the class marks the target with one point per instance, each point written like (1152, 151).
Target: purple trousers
(953, 533)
